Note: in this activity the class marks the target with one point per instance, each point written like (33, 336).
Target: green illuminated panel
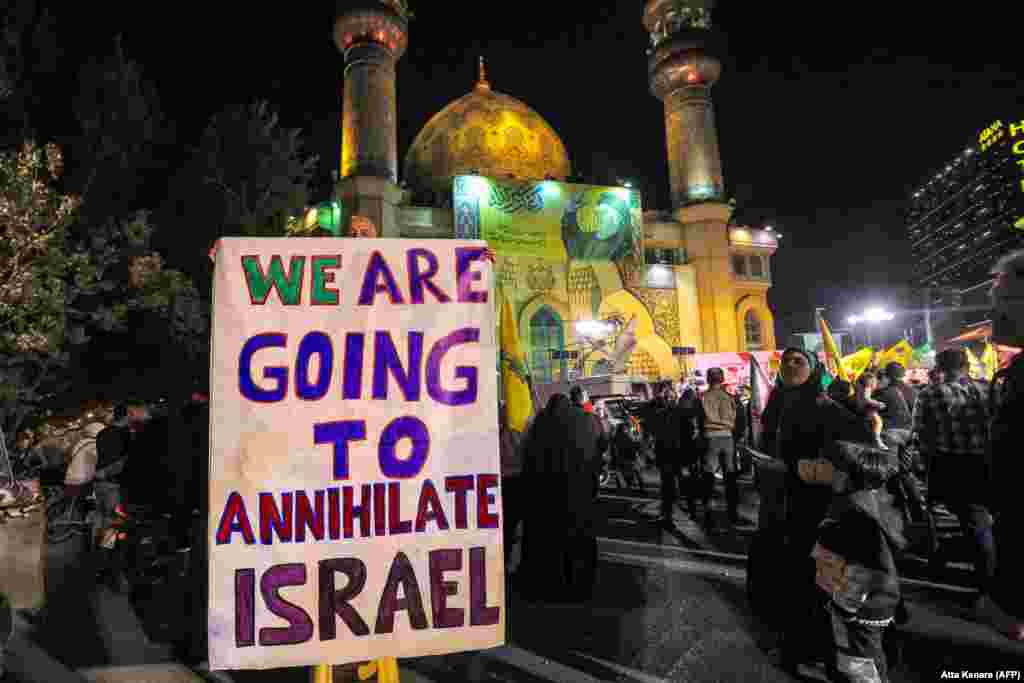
(549, 220)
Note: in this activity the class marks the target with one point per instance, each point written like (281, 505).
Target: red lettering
(234, 518)
(485, 519)
(460, 485)
(429, 508)
(396, 525)
(274, 519)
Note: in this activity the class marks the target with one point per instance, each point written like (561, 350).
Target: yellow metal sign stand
(385, 668)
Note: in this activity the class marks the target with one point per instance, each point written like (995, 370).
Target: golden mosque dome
(486, 133)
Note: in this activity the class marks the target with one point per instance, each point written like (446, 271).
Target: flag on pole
(514, 376)
(833, 360)
(976, 370)
(758, 398)
(901, 352)
(857, 363)
(990, 361)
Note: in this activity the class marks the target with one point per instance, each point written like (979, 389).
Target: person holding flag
(832, 358)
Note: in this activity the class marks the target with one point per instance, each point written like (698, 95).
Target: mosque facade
(690, 283)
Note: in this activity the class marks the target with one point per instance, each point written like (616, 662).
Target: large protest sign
(354, 488)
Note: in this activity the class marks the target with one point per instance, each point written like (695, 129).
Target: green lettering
(321, 295)
(289, 290)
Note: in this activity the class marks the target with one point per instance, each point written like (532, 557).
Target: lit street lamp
(874, 315)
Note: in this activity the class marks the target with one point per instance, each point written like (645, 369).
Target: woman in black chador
(802, 423)
(559, 543)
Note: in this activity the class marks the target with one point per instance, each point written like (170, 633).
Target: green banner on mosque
(549, 220)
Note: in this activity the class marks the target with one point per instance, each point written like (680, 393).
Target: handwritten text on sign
(354, 491)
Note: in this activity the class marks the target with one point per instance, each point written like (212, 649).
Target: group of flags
(850, 367)
(517, 390)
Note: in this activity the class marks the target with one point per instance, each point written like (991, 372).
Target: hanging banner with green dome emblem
(549, 220)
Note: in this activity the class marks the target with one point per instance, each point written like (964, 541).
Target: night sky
(828, 117)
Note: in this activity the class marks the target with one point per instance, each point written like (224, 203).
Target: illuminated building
(962, 219)
(698, 283)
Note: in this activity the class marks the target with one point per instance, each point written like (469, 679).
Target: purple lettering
(339, 433)
(245, 607)
(378, 268)
(419, 279)
(336, 602)
(465, 257)
(461, 397)
(407, 427)
(479, 613)
(401, 574)
(300, 626)
(441, 561)
(386, 359)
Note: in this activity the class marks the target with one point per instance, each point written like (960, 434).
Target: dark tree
(29, 52)
(247, 176)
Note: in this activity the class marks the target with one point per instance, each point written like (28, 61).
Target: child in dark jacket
(858, 543)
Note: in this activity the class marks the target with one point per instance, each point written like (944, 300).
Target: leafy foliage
(258, 168)
(56, 291)
(247, 176)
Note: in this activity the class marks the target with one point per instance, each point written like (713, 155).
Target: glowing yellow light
(1019, 225)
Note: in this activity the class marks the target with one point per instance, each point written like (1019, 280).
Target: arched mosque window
(547, 334)
(752, 330)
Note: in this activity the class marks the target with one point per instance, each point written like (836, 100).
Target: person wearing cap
(800, 423)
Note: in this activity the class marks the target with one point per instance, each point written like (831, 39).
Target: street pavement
(668, 606)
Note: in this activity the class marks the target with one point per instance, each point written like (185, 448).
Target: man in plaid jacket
(951, 425)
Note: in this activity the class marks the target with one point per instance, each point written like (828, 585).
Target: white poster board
(354, 470)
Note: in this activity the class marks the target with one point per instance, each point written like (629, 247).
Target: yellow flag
(990, 361)
(514, 377)
(832, 357)
(976, 370)
(858, 362)
(901, 352)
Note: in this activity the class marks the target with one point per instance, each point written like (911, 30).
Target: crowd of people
(852, 455)
(855, 455)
